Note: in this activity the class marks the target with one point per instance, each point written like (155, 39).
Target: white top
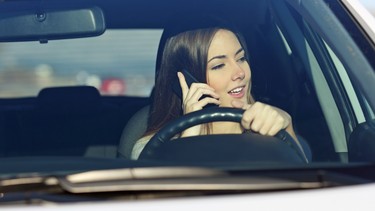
(139, 145)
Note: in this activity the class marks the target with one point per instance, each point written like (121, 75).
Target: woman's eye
(242, 59)
(217, 67)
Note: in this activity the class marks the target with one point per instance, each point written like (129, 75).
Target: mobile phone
(189, 78)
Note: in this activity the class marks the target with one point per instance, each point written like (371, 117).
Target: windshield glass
(264, 85)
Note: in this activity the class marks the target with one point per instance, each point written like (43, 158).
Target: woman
(217, 56)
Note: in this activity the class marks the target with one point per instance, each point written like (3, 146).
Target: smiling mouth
(237, 90)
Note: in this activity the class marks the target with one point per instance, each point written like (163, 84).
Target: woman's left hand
(264, 119)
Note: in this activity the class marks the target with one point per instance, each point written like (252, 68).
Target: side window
(336, 66)
(342, 72)
(119, 62)
(325, 79)
(327, 102)
(324, 95)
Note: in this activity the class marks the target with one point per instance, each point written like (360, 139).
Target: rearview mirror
(50, 23)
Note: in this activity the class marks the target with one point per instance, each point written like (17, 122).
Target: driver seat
(134, 130)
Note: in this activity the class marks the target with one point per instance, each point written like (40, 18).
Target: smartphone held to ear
(189, 78)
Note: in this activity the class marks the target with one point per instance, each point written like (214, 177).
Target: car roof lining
(153, 14)
(160, 12)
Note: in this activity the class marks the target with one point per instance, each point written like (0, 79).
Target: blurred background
(121, 62)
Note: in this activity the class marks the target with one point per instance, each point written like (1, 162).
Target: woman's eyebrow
(223, 56)
(239, 51)
(217, 57)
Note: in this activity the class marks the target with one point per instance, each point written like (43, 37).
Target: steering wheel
(200, 117)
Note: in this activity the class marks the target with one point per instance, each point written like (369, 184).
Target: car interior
(79, 121)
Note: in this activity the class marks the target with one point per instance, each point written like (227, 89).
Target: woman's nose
(238, 73)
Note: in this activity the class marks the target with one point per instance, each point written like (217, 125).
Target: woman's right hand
(191, 100)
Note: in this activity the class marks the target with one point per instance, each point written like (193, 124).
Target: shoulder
(139, 145)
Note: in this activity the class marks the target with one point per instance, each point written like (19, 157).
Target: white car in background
(66, 145)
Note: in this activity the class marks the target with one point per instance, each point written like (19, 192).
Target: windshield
(258, 86)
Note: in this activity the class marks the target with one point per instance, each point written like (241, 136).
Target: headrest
(69, 98)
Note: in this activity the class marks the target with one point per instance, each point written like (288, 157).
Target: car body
(66, 142)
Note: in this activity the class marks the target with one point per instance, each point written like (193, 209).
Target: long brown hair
(187, 50)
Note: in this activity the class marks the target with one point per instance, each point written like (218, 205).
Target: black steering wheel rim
(200, 117)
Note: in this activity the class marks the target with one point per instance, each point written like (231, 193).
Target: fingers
(265, 119)
(183, 84)
(192, 95)
(275, 129)
(194, 101)
(198, 105)
(197, 90)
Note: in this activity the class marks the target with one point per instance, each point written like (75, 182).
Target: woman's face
(228, 71)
